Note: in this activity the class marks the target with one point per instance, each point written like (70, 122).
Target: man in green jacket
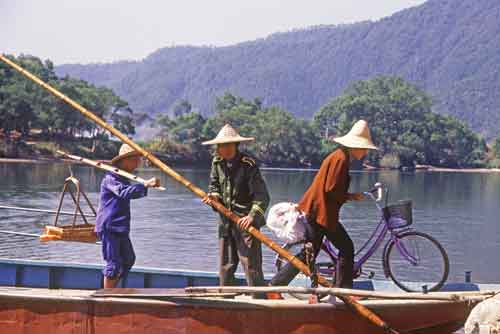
(236, 182)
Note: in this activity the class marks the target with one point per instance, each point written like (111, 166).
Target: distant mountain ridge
(450, 48)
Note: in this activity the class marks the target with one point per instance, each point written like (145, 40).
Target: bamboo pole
(17, 208)
(358, 308)
(115, 294)
(443, 296)
(106, 167)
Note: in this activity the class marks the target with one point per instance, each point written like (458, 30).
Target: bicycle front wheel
(416, 260)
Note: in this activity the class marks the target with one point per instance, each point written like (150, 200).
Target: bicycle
(407, 249)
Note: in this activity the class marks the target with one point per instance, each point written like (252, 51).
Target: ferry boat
(48, 297)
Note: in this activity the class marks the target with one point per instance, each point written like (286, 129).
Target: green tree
(284, 140)
(182, 107)
(25, 106)
(184, 130)
(281, 139)
(401, 123)
(234, 110)
(496, 148)
(20, 99)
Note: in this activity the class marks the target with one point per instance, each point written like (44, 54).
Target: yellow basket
(74, 232)
(80, 233)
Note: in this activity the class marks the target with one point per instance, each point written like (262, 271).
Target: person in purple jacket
(113, 216)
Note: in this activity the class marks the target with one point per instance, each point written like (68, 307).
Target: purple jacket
(114, 203)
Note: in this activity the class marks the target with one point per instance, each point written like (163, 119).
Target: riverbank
(26, 161)
(39, 161)
(428, 168)
(419, 168)
(39, 149)
(51, 160)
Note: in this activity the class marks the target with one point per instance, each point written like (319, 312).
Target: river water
(172, 229)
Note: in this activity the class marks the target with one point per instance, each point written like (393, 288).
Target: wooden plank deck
(33, 310)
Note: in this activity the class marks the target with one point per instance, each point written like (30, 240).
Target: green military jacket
(240, 187)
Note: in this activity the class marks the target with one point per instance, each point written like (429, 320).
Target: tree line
(24, 106)
(399, 113)
(28, 111)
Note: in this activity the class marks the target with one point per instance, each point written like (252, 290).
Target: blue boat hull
(54, 275)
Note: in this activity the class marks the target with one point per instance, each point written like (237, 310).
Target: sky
(88, 31)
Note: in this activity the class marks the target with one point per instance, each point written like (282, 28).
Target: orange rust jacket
(328, 191)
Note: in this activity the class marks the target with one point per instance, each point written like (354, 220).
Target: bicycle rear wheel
(417, 260)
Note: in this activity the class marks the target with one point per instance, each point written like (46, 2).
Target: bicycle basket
(399, 215)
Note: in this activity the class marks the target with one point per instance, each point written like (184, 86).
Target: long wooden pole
(106, 167)
(453, 296)
(360, 309)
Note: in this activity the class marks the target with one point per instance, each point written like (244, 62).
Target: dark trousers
(340, 239)
(239, 246)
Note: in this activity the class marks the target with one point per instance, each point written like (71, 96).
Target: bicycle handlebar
(379, 188)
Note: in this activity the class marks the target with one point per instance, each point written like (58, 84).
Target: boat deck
(159, 296)
(39, 310)
(45, 297)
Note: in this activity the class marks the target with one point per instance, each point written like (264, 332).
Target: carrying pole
(106, 167)
(355, 306)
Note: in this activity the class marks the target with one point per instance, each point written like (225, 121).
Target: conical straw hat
(125, 152)
(227, 135)
(358, 137)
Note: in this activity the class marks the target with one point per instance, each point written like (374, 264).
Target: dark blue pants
(118, 253)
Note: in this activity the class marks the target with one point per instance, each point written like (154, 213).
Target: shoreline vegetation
(34, 125)
(418, 168)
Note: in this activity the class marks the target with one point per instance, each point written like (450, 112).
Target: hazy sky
(106, 30)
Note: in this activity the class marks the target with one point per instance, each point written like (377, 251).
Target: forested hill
(447, 47)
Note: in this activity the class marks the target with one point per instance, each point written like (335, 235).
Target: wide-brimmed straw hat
(358, 137)
(125, 152)
(227, 135)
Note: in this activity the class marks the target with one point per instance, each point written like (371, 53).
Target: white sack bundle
(287, 222)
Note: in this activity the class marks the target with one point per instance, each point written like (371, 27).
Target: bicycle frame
(379, 235)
